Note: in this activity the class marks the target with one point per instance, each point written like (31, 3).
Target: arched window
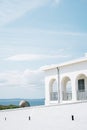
(53, 89)
(66, 89)
(81, 82)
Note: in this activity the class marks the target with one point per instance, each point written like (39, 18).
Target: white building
(66, 82)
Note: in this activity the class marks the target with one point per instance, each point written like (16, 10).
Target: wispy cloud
(44, 31)
(13, 9)
(24, 57)
(63, 33)
(27, 78)
(22, 84)
(55, 2)
(30, 57)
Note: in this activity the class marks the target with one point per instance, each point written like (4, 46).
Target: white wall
(74, 67)
(71, 71)
(46, 118)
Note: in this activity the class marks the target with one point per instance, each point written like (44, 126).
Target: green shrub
(2, 107)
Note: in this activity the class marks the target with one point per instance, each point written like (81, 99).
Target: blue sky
(37, 33)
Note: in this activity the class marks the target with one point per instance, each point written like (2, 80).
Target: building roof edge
(53, 66)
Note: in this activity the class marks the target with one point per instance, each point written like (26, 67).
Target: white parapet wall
(59, 117)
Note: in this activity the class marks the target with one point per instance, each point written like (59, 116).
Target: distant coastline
(15, 101)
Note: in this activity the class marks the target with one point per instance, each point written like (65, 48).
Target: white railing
(54, 96)
(67, 96)
(82, 95)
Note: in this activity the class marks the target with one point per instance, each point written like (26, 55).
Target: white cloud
(31, 31)
(56, 2)
(24, 57)
(63, 33)
(25, 84)
(27, 78)
(30, 57)
(33, 77)
(13, 9)
(10, 78)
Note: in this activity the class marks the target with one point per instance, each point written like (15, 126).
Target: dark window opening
(81, 85)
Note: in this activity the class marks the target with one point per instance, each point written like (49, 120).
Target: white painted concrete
(46, 118)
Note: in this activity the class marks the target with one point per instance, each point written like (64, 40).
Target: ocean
(33, 102)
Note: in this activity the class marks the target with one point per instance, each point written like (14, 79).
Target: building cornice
(53, 66)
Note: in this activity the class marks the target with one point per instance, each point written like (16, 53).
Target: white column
(47, 93)
(74, 91)
(60, 94)
(60, 91)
